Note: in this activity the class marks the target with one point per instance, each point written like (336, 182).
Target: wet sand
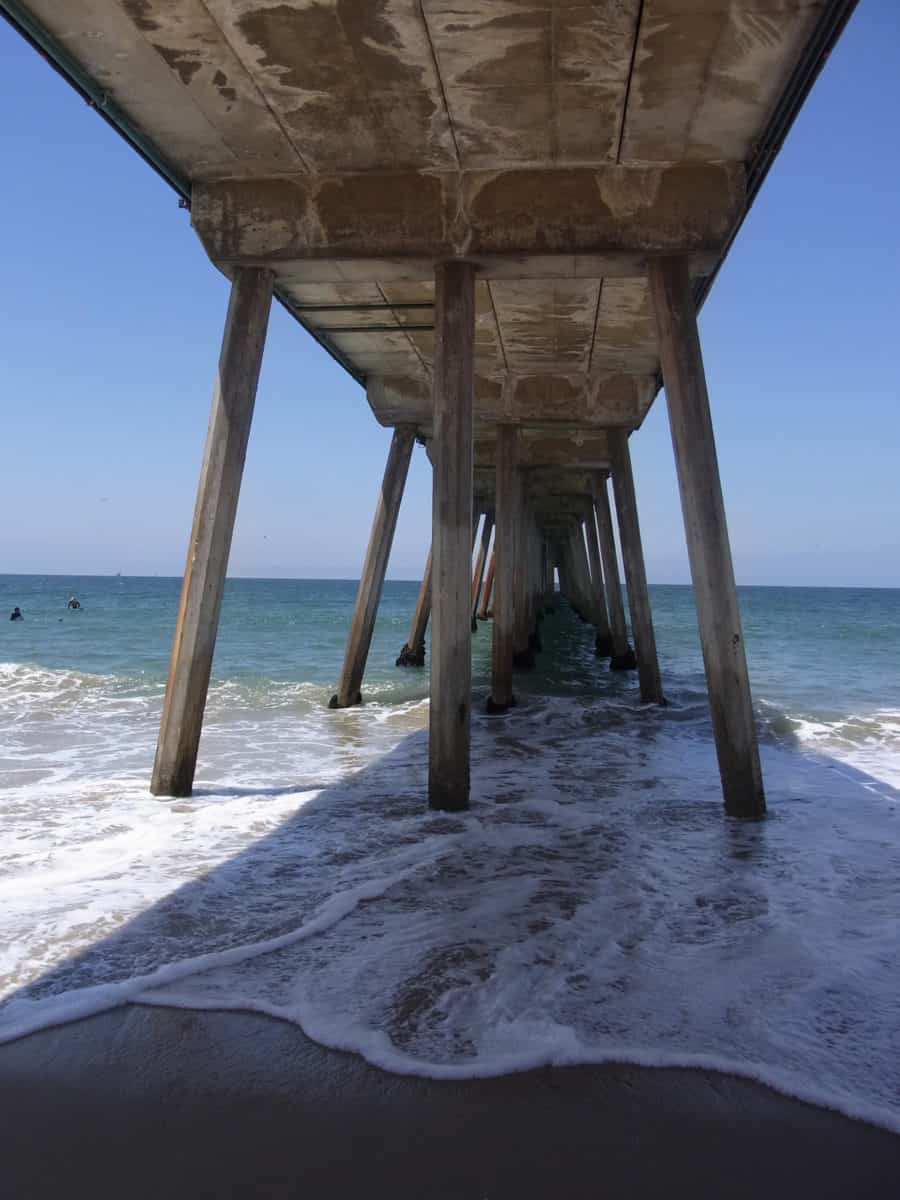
(144, 1102)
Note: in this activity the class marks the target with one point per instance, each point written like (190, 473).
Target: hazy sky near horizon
(111, 317)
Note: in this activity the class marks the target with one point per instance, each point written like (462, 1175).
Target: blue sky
(111, 317)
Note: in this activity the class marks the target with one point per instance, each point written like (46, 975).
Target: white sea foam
(593, 905)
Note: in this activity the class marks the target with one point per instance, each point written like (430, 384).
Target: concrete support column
(413, 652)
(580, 572)
(635, 574)
(501, 696)
(707, 538)
(371, 581)
(480, 561)
(622, 657)
(556, 571)
(214, 514)
(535, 590)
(451, 629)
(488, 589)
(603, 640)
(523, 657)
(566, 586)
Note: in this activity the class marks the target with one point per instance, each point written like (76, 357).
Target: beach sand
(145, 1102)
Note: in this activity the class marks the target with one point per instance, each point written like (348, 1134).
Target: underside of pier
(500, 216)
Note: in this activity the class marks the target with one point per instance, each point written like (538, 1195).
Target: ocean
(594, 904)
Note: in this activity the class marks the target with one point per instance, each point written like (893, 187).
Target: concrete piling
(214, 515)
(486, 592)
(523, 656)
(452, 507)
(635, 573)
(706, 528)
(602, 639)
(622, 657)
(413, 652)
(371, 581)
(481, 559)
(501, 696)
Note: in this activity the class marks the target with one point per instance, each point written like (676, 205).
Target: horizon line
(849, 587)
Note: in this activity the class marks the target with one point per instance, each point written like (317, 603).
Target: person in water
(73, 603)
(16, 614)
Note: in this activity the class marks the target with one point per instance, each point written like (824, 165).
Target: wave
(594, 904)
(30, 690)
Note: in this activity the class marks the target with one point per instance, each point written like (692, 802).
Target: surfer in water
(16, 614)
(73, 603)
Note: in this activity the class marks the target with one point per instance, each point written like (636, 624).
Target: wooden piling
(214, 514)
(635, 573)
(501, 696)
(451, 633)
(706, 528)
(371, 581)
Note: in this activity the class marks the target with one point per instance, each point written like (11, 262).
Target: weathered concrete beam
(214, 515)
(677, 208)
(572, 399)
(616, 264)
(565, 508)
(573, 449)
(559, 481)
(371, 580)
(709, 549)
(451, 634)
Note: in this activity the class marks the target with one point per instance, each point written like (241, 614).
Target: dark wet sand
(145, 1102)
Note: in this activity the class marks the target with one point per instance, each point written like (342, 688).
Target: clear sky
(111, 315)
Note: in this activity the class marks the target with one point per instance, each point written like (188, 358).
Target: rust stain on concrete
(141, 12)
(547, 208)
(182, 63)
(399, 209)
(220, 80)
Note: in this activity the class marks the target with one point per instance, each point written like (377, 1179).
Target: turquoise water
(822, 654)
(594, 904)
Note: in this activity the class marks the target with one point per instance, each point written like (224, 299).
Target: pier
(501, 219)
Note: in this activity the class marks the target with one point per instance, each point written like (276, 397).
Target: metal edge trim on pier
(69, 69)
